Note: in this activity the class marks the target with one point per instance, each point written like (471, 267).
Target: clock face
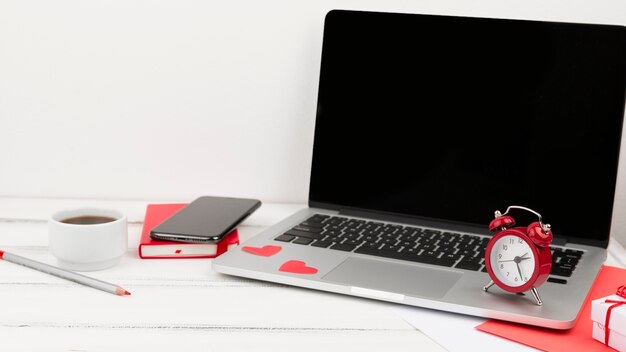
(512, 260)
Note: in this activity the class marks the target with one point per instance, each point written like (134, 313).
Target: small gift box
(609, 320)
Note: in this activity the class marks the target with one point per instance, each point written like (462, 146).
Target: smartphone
(205, 220)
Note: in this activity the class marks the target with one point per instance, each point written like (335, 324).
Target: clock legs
(536, 295)
(486, 287)
(533, 290)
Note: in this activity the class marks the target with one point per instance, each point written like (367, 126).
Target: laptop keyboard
(409, 243)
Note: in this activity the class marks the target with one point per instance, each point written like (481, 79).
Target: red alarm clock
(518, 259)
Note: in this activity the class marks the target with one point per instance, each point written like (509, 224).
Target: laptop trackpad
(406, 279)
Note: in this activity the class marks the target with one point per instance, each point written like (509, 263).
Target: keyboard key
(451, 256)
(556, 280)
(560, 272)
(331, 233)
(423, 236)
(573, 253)
(465, 239)
(351, 224)
(308, 229)
(473, 259)
(311, 224)
(407, 244)
(351, 236)
(302, 240)
(296, 233)
(284, 238)
(467, 265)
(388, 231)
(370, 225)
(569, 261)
(372, 243)
(447, 249)
(427, 247)
(412, 251)
(389, 241)
(335, 220)
(322, 244)
(372, 233)
(391, 248)
(353, 230)
(408, 231)
(333, 239)
(369, 239)
(450, 237)
(431, 232)
(318, 218)
(344, 247)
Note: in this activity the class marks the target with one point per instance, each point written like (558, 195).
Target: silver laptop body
(458, 76)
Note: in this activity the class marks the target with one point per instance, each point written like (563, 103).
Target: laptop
(425, 126)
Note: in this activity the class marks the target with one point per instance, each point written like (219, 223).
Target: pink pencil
(64, 274)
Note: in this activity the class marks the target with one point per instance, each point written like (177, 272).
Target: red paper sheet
(576, 339)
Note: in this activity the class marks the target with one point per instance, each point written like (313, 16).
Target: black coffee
(88, 220)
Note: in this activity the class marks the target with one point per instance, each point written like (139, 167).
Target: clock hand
(519, 271)
(517, 259)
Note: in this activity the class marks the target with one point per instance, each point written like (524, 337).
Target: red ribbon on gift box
(621, 291)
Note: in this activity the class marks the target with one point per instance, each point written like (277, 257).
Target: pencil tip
(121, 292)
(1, 254)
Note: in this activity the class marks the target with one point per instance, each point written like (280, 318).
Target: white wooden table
(175, 304)
(180, 304)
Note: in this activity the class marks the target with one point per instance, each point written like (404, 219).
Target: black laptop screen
(452, 118)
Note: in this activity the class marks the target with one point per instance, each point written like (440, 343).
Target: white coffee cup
(89, 246)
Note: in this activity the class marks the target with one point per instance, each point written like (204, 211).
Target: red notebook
(149, 248)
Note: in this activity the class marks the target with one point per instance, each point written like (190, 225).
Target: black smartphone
(205, 220)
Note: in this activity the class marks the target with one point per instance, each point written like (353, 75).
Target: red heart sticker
(297, 267)
(265, 251)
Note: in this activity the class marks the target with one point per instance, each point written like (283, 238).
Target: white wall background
(171, 99)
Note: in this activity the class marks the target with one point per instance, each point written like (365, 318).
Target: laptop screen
(451, 118)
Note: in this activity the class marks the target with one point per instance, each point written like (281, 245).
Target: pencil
(64, 274)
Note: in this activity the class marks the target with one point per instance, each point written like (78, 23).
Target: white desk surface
(179, 304)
